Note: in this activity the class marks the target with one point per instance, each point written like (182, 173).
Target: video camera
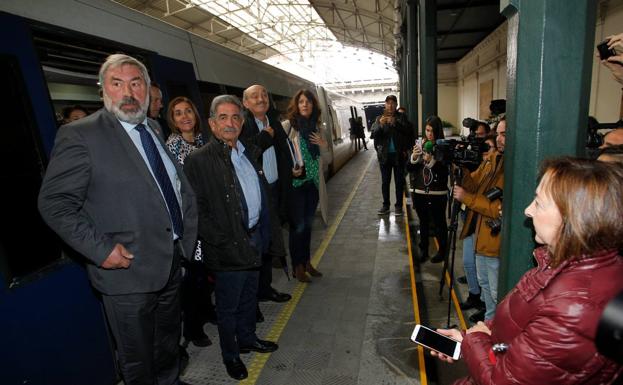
(494, 224)
(461, 152)
(471, 124)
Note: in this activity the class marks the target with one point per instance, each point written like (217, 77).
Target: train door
(52, 328)
(177, 78)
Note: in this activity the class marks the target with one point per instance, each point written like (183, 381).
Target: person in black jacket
(430, 179)
(263, 129)
(392, 141)
(234, 224)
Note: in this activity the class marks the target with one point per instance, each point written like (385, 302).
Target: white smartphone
(438, 342)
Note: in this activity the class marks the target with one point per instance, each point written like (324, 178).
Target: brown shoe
(301, 275)
(312, 271)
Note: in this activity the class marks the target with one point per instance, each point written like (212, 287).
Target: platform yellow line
(259, 360)
(416, 308)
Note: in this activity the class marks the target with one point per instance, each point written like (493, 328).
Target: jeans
(469, 265)
(488, 268)
(302, 205)
(236, 302)
(392, 163)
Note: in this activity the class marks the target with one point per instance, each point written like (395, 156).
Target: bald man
(262, 128)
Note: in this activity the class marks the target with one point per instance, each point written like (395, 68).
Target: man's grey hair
(223, 99)
(117, 60)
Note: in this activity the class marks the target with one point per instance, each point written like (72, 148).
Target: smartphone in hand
(604, 51)
(430, 339)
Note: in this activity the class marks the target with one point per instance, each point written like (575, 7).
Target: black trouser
(146, 328)
(392, 163)
(266, 270)
(432, 207)
(302, 205)
(236, 301)
(196, 299)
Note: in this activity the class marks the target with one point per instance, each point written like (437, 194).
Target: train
(52, 328)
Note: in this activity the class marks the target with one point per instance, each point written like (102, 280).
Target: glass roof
(307, 47)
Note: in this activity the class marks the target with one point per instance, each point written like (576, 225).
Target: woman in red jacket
(543, 331)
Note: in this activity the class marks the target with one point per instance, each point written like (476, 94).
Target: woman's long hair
(171, 112)
(293, 107)
(435, 123)
(589, 196)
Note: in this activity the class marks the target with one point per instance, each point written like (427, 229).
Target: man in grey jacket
(115, 194)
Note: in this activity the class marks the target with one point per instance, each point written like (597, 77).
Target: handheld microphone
(428, 146)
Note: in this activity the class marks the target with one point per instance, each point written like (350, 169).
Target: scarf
(305, 127)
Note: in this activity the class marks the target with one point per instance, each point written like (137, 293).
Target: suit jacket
(251, 134)
(98, 191)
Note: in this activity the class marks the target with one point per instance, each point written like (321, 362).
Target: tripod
(452, 229)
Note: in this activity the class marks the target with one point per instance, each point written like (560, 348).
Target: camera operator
(489, 174)
(392, 141)
(615, 62)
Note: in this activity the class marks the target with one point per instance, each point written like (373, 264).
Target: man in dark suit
(265, 131)
(234, 225)
(114, 194)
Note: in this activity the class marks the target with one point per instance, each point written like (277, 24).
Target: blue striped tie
(160, 172)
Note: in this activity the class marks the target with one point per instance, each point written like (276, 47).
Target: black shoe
(259, 317)
(201, 340)
(478, 316)
(236, 369)
(437, 258)
(276, 296)
(398, 212)
(384, 210)
(473, 301)
(260, 346)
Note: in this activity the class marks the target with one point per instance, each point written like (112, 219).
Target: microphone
(428, 146)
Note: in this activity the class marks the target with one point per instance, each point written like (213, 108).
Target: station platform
(353, 325)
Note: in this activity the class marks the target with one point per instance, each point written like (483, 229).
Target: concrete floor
(351, 326)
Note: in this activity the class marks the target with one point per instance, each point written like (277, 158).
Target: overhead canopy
(264, 28)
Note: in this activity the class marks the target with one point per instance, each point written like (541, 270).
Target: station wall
(487, 62)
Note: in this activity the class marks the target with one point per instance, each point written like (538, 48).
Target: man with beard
(234, 225)
(264, 130)
(114, 194)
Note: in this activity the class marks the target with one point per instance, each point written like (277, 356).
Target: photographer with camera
(472, 193)
(392, 141)
(430, 185)
(607, 52)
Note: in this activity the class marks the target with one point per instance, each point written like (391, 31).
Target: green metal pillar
(549, 55)
(412, 64)
(428, 57)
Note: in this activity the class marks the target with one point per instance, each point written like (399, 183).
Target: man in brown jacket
(489, 174)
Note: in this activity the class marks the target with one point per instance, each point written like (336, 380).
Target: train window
(26, 243)
(208, 92)
(237, 91)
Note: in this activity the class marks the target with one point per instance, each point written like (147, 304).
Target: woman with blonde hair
(543, 332)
